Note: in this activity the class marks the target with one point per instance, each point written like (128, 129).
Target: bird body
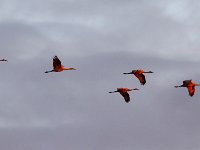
(124, 93)
(140, 75)
(57, 66)
(189, 85)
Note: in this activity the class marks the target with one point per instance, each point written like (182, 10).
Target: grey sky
(72, 110)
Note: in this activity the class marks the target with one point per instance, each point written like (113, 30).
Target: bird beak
(113, 92)
(128, 73)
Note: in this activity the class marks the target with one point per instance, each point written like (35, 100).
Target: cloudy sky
(72, 110)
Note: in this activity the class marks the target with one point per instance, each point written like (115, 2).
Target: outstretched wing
(56, 62)
(126, 96)
(191, 90)
(141, 78)
(186, 82)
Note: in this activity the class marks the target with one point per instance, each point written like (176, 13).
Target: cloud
(134, 26)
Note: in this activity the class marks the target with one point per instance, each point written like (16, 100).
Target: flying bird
(124, 93)
(4, 60)
(189, 85)
(140, 75)
(57, 66)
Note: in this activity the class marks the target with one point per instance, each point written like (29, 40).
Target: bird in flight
(189, 85)
(124, 93)
(4, 60)
(57, 66)
(140, 75)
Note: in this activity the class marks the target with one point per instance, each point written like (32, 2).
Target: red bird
(140, 75)
(189, 85)
(57, 66)
(124, 93)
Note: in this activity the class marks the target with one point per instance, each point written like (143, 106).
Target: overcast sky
(73, 110)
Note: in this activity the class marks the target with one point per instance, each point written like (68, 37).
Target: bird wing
(141, 77)
(56, 62)
(187, 82)
(126, 96)
(191, 90)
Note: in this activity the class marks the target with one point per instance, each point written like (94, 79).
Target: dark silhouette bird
(57, 66)
(4, 60)
(189, 85)
(124, 93)
(140, 75)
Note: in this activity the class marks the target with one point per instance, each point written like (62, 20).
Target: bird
(140, 75)
(189, 85)
(4, 60)
(57, 66)
(124, 93)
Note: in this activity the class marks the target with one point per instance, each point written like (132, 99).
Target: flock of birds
(58, 67)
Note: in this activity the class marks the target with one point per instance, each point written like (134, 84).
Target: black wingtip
(55, 57)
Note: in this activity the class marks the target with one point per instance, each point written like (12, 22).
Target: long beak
(113, 92)
(177, 86)
(48, 71)
(128, 73)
